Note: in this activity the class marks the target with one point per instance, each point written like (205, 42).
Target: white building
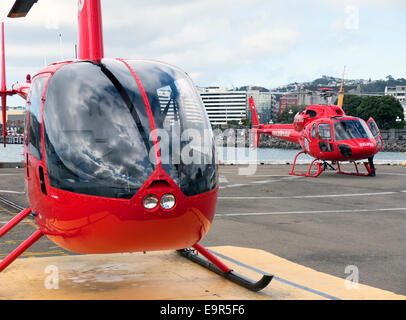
(399, 92)
(223, 105)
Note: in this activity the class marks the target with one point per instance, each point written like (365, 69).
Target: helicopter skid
(25, 245)
(308, 174)
(215, 265)
(323, 165)
(357, 172)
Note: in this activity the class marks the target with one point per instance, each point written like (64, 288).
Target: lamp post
(290, 115)
(398, 121)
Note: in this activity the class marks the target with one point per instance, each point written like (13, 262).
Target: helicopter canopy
(97, 128)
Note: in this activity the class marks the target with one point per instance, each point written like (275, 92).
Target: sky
(229, 43)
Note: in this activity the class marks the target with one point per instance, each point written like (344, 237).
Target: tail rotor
(254, 122)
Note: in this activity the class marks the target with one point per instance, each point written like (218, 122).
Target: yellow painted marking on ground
(11, 242)
(167, 275)
(32, 223)
(22, 222)
(38, 254)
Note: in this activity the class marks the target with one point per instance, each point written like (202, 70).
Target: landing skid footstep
(210, 262)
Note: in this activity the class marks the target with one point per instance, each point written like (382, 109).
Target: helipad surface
(167, 275)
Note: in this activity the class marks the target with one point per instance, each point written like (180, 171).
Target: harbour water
(13, 153)
(283, 156)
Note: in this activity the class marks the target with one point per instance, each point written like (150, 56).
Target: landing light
(150, 201)
(168, 201)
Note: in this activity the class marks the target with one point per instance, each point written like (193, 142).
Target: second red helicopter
(326, 133)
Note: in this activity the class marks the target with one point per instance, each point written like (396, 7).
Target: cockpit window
(351, 129)
(93, 134)
(311, 113)
(314, 131)
(34, 116)
(374, 128)
(324, 131)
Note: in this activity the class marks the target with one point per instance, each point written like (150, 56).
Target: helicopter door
(325, 137)
(375, 132)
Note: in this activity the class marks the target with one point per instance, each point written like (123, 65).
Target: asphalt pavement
(334, 224)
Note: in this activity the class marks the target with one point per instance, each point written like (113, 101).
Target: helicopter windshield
(351, 129)
(97, 131)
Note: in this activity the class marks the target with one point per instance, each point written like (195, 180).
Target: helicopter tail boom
(3, 86)
(281, 131)
(3, 90)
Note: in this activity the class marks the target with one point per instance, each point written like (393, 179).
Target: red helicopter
(327, 134)
(99, 175)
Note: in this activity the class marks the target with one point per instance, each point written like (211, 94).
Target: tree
(245, 122)
(384, 109)
(232, 123)
(350, 104)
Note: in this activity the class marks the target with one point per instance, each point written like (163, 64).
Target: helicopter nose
(358, 150)
(363, 150)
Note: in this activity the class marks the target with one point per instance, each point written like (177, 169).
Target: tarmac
(331, 237)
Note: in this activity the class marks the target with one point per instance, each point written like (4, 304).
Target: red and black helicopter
(98, 174)
(326, 133)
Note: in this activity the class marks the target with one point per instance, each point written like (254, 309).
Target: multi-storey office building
(224, 105)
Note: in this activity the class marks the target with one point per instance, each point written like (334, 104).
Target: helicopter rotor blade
(21, 8)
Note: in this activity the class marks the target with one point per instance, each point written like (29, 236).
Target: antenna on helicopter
(60, 46)
(341, 95)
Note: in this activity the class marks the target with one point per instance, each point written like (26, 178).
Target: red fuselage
(89, 169)
(326, 133)
(107, 148)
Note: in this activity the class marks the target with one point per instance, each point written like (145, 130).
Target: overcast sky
(224, 42)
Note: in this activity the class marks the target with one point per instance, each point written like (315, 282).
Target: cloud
(216, 41)
(273, 41)
(367, 3)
